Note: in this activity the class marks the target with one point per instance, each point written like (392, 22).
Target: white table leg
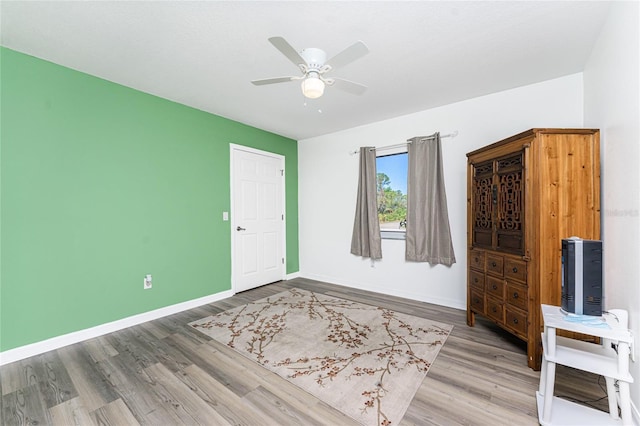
(613, 399)
(543, 375)
(550, 379)
(625, 403)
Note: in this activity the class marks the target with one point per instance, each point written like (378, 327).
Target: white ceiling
(423, 54)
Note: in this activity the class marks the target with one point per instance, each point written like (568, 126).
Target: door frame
(233, 148)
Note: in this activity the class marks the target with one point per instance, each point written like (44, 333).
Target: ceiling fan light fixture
(312, 87)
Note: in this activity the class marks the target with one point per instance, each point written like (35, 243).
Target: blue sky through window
(394, 166)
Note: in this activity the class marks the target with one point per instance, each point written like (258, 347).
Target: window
(392, 194)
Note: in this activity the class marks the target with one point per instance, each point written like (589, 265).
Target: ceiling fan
(314, 65)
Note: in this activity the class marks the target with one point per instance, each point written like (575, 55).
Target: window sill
(392, 235)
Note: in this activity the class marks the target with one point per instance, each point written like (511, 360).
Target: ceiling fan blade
(274, 80)
(287, 50)
(348, 55)
(349, 86)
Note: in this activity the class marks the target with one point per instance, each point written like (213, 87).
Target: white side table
(598, 359)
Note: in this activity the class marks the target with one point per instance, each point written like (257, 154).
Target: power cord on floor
(590, 402)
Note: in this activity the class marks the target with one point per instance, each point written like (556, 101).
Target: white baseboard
(389, 291)
(293, 275)
(43, 346)
(635, 414)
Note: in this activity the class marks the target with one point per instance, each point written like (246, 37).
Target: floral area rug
(365, 361)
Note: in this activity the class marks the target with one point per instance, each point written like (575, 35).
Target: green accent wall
(102, 184)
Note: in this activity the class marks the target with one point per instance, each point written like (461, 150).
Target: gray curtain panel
(366, 240)
(428, 237)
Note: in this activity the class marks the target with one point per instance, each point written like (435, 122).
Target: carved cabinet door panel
(498, 204)
(510, 204)
(483, 205)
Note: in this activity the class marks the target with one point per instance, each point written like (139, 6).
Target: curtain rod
(400, 145)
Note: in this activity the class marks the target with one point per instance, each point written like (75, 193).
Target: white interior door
(257, 179)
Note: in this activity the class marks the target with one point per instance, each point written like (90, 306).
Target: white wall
(328, 180)
(612, 94)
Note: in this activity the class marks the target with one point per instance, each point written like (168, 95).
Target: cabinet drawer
(495, 287)
(495, 309)
(517, 321)
(516, 269)
(516, 296)
(476, 280)
(495, 264)
(477, 302)
(476, 259)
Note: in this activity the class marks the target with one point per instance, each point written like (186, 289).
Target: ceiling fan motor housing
(315, 57)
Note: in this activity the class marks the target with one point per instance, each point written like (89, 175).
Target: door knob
(239, 228)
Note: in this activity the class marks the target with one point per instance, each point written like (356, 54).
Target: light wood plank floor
(163, 372)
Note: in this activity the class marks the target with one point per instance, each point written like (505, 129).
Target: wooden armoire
(524, 195)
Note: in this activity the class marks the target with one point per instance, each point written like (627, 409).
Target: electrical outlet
(147, 282)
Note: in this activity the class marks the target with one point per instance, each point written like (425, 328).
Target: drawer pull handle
(495, 309)
(477, 260)
(476, 300)
(515, 270)
(495, 287)
(475, 280)
(515, 295)
(515, 320)
(494, 264)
